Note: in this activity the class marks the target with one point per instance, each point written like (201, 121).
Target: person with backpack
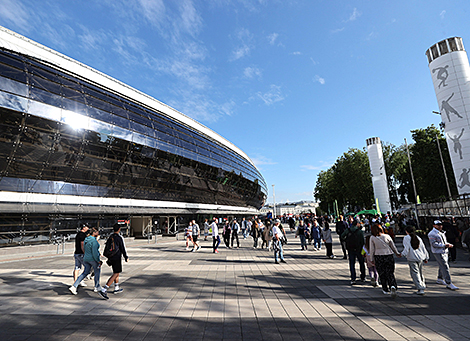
(91, 260)
(354, 239)
(302, 232)
(114, 251)
(381, 251)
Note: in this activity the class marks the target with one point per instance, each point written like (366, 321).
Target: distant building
(291, 208)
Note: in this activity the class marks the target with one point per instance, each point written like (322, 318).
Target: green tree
(398, 174)
(348, 181)
(427, 166)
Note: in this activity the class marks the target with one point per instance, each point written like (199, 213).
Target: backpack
(352, 242)
(110, 248)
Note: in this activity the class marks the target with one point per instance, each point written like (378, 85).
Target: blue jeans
(244, 233)
(317, 243)
(303, 241)
(352, 264)
(96, 266)
(278, 250)
(215, 243)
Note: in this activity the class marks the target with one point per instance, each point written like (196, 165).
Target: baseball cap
(437, 222)
(277, 221)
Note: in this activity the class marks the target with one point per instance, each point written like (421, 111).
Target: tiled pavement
(238, 294)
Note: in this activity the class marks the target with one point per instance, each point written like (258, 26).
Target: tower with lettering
(450, 71)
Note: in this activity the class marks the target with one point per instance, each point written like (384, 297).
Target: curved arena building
(79, 146)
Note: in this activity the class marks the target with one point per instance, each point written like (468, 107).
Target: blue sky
(294, 83)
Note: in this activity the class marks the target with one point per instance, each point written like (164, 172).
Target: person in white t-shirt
(215, 236)
(277, 245)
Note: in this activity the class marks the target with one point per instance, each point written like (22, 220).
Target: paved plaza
(238, 294)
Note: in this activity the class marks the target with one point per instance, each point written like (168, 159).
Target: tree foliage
(427, 165)
(349, 180)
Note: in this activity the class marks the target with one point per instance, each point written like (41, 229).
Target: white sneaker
(73, 290)
(441, 281)
(82, 284)
(96, 289)
(451, 286)
(393, 292)
(386, 292)
(420, 292)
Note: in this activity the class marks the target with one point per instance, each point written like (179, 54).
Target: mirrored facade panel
(62, 135)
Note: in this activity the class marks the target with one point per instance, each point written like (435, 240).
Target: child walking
(374, 276)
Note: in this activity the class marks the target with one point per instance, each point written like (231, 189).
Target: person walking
(381, 250)
(452, 236)
(354, 239)
(326, 235)
(267, 236)
(440, 249)
(373, 274)
(255, 233)
(91, 259)
(206, 229)
(416, 254)
(188, 234)
(115, 261)
(341, 226)
(244, 227)
(196, 232)
(227, 231)
(79, 252)
(316, 236)
(302, 232)
(215, 236)
(235, 229)
(277, 245)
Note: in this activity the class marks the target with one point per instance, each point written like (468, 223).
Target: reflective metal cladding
(68, 142)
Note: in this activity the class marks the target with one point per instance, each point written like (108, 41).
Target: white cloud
(260, 160)
(296, 53)
(338, 30)
(319, 79)
(354, 15)
(322, 165)
(313, 61)
(190, 18)
(245, 45)
(272, 38)
(442, 14)
(240, 52)
(272, 96)
(251, 72)
(152, 10)
(15, 13)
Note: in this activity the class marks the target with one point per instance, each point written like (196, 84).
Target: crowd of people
(368, 241)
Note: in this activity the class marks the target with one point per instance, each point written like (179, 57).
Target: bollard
(63, 244)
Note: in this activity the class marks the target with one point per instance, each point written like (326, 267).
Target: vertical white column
(450, 71)
(379, 176)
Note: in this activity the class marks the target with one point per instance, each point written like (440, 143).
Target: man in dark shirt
(452, 235)
(341, 226)
(116, 261)
(79, 252)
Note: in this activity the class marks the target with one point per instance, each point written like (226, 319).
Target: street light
(274, 205)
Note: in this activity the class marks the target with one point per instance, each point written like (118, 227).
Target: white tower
(379, 177)
(450, 71)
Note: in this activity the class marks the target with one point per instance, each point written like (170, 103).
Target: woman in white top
(416, 253)
(381, 250)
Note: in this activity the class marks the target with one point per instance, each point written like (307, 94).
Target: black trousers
(235, 236)
(329, 249)
(386, 268)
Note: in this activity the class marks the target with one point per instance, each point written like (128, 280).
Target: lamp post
(274, 205)
(414, 186)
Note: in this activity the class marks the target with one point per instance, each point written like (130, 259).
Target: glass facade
(63, 135)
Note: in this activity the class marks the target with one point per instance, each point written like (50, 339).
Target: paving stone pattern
(238, 294)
